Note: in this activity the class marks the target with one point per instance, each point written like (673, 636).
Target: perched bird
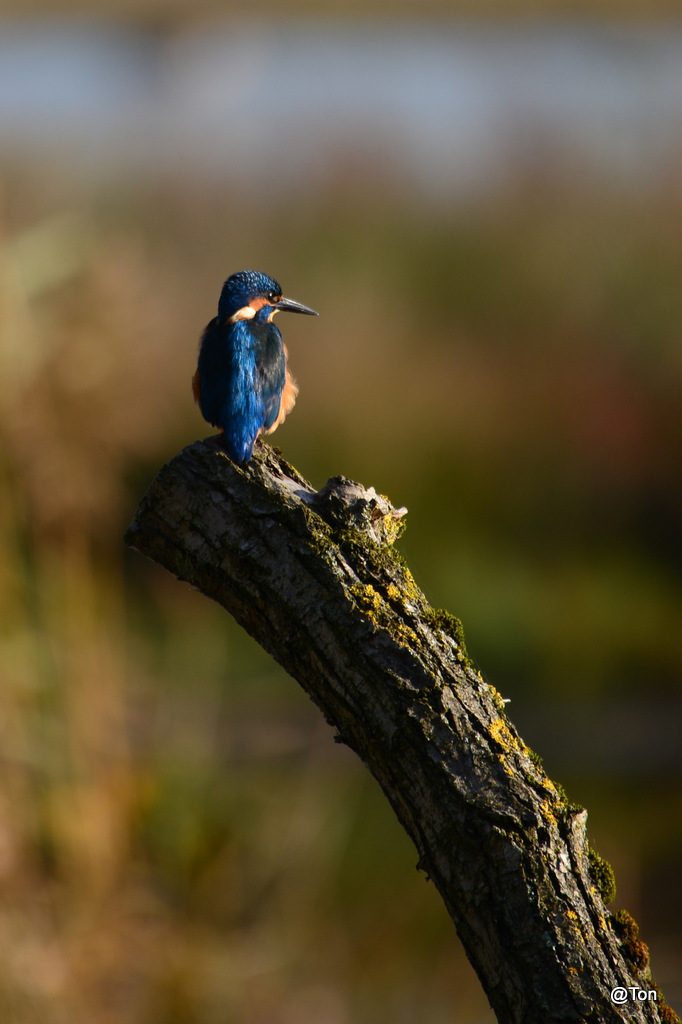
(242, 383)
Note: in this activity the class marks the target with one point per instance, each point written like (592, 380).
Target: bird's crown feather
(242, 287)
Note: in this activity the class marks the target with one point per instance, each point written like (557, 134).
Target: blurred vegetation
(180, 840)
(161, 15)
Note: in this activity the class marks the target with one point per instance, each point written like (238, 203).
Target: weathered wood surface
(314, 578)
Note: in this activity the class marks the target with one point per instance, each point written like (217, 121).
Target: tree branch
(314, 578)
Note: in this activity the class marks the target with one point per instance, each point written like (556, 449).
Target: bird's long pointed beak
(289, 306)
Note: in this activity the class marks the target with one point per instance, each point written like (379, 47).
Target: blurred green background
(488, 217)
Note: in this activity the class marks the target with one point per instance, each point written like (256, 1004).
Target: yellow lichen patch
(372, 604)
(410, 590)
(547, 812)
(392, 527)
(367, 598)
(406, 636)
(393, 592)
(496, 696)
(500, 734)
(505, 738)
(549, 786)
(575, 921)
(499, 731)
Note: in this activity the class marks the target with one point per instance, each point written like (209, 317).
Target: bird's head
(250, 293)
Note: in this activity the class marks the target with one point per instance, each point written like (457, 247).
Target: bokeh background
(488, 216)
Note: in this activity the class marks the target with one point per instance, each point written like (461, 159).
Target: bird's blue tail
(240, 449)
(242, 418)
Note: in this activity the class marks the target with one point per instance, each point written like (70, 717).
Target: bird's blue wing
(214, 372)
(272, 379)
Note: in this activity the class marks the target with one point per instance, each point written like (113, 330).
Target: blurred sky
(454, 106)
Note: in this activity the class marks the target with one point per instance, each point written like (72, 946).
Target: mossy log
(313, 576)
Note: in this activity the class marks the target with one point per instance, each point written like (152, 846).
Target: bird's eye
(273, 295)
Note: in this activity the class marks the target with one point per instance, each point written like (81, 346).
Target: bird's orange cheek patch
(248, 312)
(245, 313)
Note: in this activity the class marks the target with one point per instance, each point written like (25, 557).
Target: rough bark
(313, 577)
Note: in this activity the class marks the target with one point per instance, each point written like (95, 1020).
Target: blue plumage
(242, 382)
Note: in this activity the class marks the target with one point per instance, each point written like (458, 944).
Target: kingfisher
(242, 383)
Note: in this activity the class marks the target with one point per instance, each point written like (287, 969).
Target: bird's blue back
(242, 369)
